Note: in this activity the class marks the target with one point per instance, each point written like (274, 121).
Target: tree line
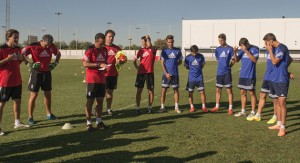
(82, 45)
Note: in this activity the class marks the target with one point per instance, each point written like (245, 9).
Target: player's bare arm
(20, 57)
(179, 62)
(58, 56)
(232, 62)
(164, 70)
(269, 47)
(94, 65)
(251, 57)
(135, 63)
(235, 49)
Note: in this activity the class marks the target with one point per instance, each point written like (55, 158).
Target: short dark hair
(144, 38)
(243, 41)
(194, 48)
(10, 32)
(269, 37)
(170, 37)
(222, 36)
(48, 39)
(110, 31)
(99, 35)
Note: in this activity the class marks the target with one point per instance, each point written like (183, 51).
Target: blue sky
(161, 16)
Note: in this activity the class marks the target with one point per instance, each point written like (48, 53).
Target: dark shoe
(90, 127)
(51, 117)
(101, 125)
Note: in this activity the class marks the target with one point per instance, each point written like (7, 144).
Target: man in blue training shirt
(279, 78)
(195, 62)
(265, 90)
(224, 56)
(171, 57)
(248, 55)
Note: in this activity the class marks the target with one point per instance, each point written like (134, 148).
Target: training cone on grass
(67, 126)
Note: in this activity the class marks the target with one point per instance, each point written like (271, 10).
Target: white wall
(204, 33)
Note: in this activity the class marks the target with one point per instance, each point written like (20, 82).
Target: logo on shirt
(172, 55)
(195, 63)
(44, 54)
(100, 58)
(245, 56)
(223, 54)
(145, 54)
(15, 56)
(111, 52)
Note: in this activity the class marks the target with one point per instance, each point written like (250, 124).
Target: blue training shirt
(248, 68)
(171, 58)
(279, 72)
(224, 56)
(269, 66)
(194, 64)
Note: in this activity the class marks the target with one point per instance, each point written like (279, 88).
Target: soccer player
(10, 76)
(224, 55)
(265, 89)
(248, 55)
(95, 62)
(40, 75)
(111, 72)
(145, 72)
(170, 57)
(279, 81)
(195, 62)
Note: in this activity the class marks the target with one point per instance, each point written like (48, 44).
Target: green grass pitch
(166, 137)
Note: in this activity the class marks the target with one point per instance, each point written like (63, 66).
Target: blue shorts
(224, 80)
(265, 88)
(174, 81)
(247, 84)
(278, 89)
(190, 86)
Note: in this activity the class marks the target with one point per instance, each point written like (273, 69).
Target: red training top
(112, 51)
(95, 55)
(147, 59)
(10, 75)
(41, 54)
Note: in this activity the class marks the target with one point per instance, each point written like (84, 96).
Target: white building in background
(204, 33)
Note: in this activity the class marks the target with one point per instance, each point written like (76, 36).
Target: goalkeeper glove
(52, 65)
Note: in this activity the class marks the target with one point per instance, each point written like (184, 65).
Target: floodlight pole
(58, 32)
(4, 30)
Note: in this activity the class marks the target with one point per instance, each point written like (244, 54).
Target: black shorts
(265, 87)
(141, 78)
(111, 82)
(224, 80)
(10, 92)
(95, 90)
(247, 84)
(278, 89)
(40, 79)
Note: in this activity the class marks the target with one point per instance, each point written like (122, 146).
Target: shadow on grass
(107, 157)
(78, 144)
